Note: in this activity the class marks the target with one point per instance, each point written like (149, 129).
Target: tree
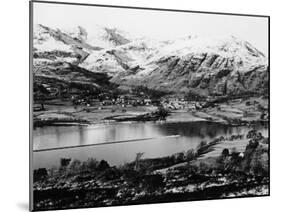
(64, 162)
(161, 112)
(225, 153)
(153, 182)
(138, 157)
(190, 155)
(103, 165)
(75, 166)
(92, 164)
(40, 94)
(39, 174)
(248, 155)
(201, 147)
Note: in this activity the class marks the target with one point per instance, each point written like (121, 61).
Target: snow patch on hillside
(43, 41)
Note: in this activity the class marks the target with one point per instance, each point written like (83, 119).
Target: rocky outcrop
(234, 69)
(67, 39)
(115, 37)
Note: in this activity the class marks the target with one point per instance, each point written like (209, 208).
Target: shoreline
(109, 121)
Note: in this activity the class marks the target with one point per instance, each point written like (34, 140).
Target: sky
(161, 25)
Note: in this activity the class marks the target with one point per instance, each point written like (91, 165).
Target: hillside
(207, 66)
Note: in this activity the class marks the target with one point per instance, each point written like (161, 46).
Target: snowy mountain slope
(128, 58)
(218, 66)
(208, 66)
(76, 40)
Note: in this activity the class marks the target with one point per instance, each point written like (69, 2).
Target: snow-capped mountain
(218, 66)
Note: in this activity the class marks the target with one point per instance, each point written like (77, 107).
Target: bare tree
(138, 157)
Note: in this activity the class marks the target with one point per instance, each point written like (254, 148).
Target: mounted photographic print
(139, 105)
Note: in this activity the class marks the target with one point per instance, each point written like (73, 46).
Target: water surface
(190, 134)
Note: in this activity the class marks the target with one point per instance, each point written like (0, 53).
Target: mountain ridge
(209, 66)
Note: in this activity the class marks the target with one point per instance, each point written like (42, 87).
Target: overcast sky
(156, 24)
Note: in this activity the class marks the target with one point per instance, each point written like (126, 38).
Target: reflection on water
(190, 134)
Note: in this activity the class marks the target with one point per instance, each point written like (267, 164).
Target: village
(78, 108)
(133, 100)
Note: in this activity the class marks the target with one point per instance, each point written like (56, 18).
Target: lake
(184, 136)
